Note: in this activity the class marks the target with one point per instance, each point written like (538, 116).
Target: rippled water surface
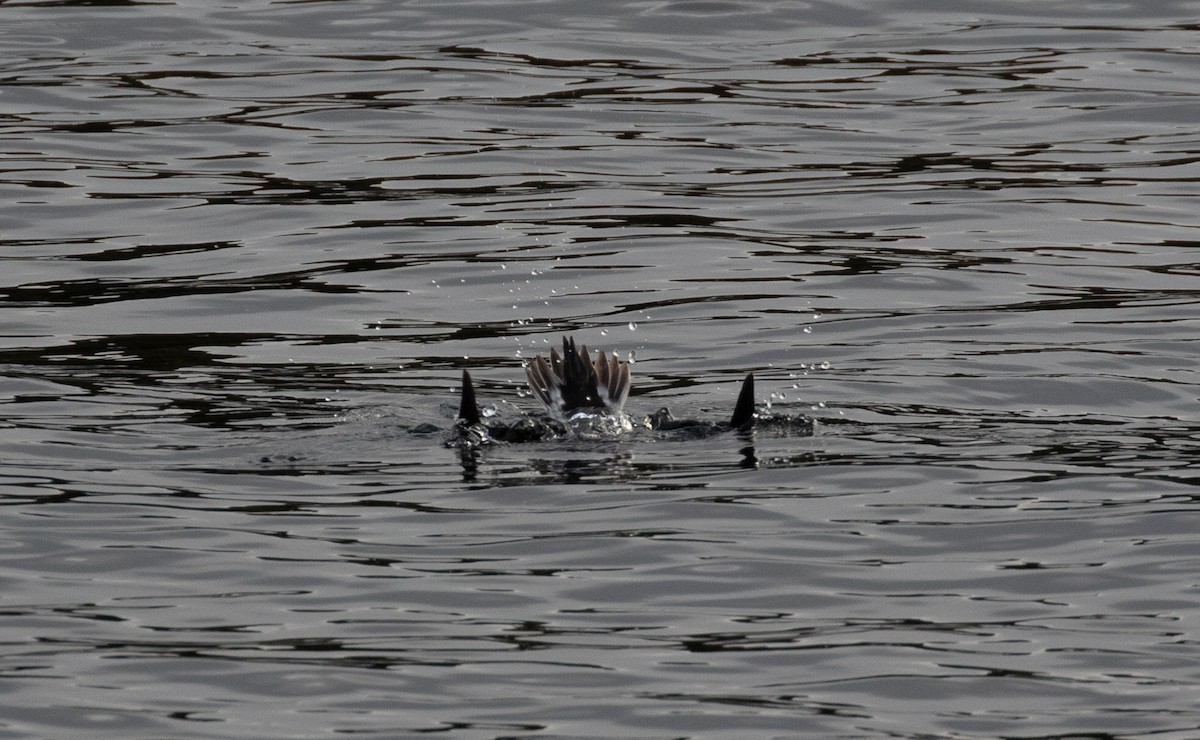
(247, 249)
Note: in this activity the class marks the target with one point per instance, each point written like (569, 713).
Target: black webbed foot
(743, 412)
(468, 409)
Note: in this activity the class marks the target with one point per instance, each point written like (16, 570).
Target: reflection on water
(248, 251)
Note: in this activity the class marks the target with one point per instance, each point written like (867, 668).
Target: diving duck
(584, 397)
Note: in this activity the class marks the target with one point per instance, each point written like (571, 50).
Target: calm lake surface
(247, 249)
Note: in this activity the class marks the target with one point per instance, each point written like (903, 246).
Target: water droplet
(604, 332)
(808, 330)
(825, 365)
(632, 326)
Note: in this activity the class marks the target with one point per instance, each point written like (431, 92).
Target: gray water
(247, 249)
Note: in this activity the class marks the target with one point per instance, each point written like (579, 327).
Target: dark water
(245, 249)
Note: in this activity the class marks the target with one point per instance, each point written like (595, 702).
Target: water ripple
(249, 250)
